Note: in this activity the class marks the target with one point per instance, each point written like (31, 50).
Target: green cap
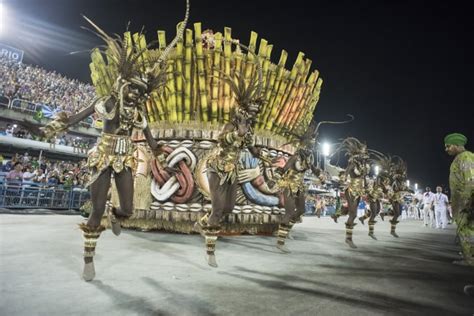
(455, 139)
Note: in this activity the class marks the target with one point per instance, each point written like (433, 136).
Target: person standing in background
(461, 184)
(428, 213)
(441, 203)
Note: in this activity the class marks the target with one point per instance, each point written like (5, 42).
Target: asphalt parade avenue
(142, 273)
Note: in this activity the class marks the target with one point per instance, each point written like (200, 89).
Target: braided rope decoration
(180, 186)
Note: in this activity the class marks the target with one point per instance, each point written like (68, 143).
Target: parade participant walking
(428, 214)
(441, 203)
(461, 183)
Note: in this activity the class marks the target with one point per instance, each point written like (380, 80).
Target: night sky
(404, 70)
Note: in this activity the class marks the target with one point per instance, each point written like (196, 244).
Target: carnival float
(188, 115)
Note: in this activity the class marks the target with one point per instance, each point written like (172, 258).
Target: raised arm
(76, 118)
(63, 121)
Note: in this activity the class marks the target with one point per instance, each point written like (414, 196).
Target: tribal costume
(127, 83)
(223, 161)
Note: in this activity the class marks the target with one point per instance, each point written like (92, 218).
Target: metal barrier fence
(33, 196)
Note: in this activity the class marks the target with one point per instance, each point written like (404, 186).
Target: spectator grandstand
(31, 83)
(32, 180)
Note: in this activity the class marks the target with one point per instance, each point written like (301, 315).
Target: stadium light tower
(416, 186)
(326, 149)
(376, 170)
(1, 16)
(408, 183)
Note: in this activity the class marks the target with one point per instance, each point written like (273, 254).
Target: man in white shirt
(419, 196)
(428, 214)
(441, 203)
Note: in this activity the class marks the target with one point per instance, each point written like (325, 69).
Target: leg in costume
(124, 185)
(99, 190)
(90, 236)
(375, 209)
(92, 229)
(223, 197)
(353, 202)
(284, 227)
(394, 221)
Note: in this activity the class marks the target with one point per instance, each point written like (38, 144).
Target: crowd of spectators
(31, 83)
(27, 170)
(320, 205)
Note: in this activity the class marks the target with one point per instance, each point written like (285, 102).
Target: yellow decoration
(196, 92)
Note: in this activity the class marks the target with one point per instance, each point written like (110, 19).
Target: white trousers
(428, 216)
(441, 217)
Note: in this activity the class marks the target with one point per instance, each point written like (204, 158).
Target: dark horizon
(403, 70)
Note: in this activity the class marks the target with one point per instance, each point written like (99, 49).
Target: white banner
(11, 53)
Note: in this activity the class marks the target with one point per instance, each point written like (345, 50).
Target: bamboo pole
(170, 92)
(250, 59)
(188, 59)
(178, 77)
(208, 61)
(313, 102)
(159, 98)
(303, 104)
(270, 76)
(201, 73)
(96, 81)
(139, 43)
(236, 70)
(227, 70)
(284, 94)
(168, 97)
(288, 103)
(101, 71)
(294, 96)
(271, 107)
(216, 78)
(299, 102)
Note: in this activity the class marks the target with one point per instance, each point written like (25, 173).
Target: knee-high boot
(371, 229)
(393, 226)
(283, 230)
(210, 235)
(349, 228)
(90, 236)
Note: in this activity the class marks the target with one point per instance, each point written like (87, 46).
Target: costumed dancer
(461, 183)
(122, 111)
(397, 190)
(356, 171)
(223, 161)
(291, 184)
(376, 190)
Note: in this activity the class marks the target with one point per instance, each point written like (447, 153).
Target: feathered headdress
(308, 137)
(354, 148)
(126, 61)
(248, 96)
